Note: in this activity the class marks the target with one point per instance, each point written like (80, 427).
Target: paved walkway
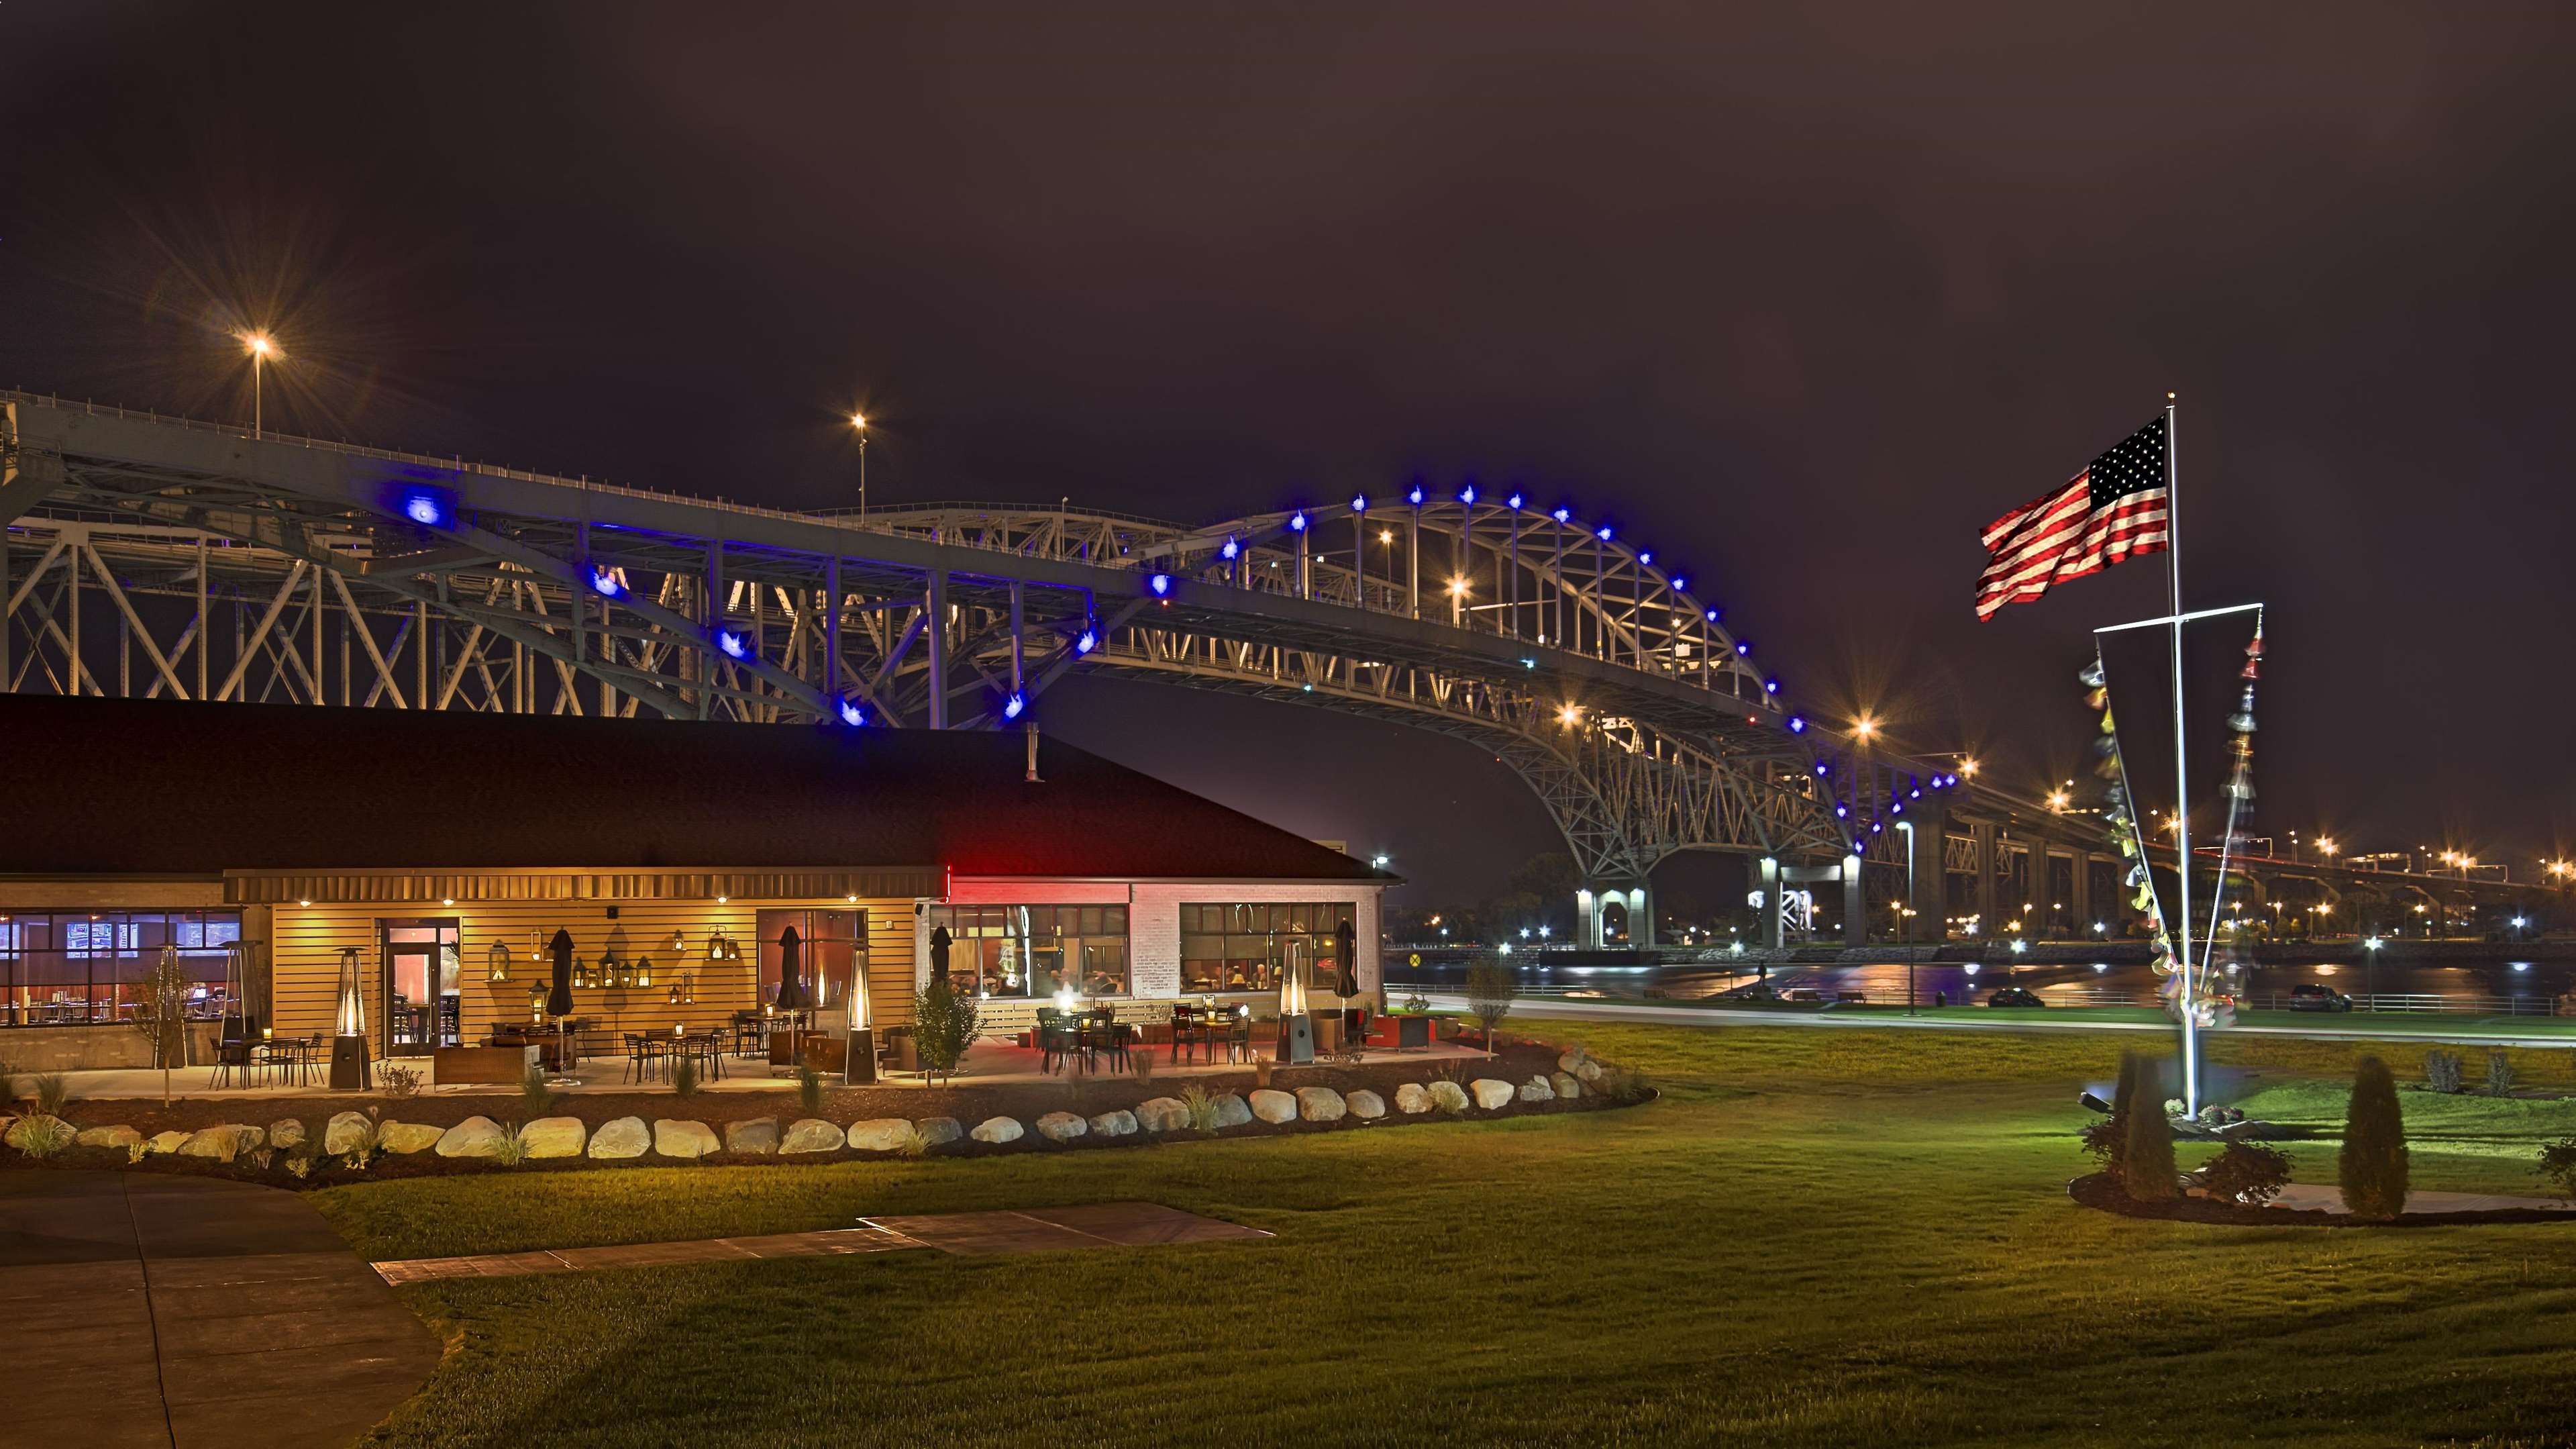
(1038, 1230)
(190, 1313)
(2316, 1197)
(1558, 1008)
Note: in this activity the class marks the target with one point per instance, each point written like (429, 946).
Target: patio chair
(1057, 1039)
(1188, 1029)
(1103, 1034)
(234, 1064)
(643, 1057)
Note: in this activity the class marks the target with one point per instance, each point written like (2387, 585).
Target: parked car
(2013, 996)
(2309, 996)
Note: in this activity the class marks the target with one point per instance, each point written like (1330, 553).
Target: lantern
(499, 959)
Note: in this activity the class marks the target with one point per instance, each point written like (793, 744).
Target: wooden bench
(481, 1066)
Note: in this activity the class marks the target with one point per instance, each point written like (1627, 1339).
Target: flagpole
(2182, 779)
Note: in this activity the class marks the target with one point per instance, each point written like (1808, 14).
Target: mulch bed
(1516, 1062)
(2097, 1190)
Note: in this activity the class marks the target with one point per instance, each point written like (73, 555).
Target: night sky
(1798, 297)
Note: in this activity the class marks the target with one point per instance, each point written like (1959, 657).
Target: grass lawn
(2445, 1025)
(1846, 1237)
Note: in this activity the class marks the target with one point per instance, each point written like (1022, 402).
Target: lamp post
(261, 348)
(2370, 954)
(859, 425)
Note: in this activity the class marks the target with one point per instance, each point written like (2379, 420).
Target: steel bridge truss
(152, 558)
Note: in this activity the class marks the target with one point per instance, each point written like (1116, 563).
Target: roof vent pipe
(1032, 730)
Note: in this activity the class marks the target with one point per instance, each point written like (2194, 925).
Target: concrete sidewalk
(190, 1313)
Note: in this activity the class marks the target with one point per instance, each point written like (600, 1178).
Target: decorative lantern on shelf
(679, 942)
(643, 970)
(536, 1003)
(499, 957)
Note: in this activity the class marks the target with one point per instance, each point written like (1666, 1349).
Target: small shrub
(2174, 1108)
(1618, 1084)
(1141, 1062)
(1200, 1103)
(45, 1136)
(809, 1089)
(1262, 1067)
(944, 1023)
(2558, 1166)
(537, 1092)
(2372, 1165)
(684, 1077)
(915, 1143)
(260, 1158)
(2146, 1157)
(8, 1085)
(299, 1165)
(1490, 989)
(512, 1149)
(134, 1153)
(2106, 1141)
(2442, 1071)
(1417, 1003)
(2499, 1075)
(52, 1091)
(2246, 1172)
(396, 1081)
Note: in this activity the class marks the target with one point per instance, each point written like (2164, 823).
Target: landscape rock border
(2096, 1190)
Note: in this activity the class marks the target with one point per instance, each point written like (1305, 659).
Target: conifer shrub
(2372, 1166)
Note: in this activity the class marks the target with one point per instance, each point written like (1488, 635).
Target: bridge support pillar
(1855, 902)
(1768, 931)
(1587, 920)
(1641, 916)
(1983, 833)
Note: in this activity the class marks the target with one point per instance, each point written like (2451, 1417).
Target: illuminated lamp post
(859, 425)
(261, 348)
(1908, 827)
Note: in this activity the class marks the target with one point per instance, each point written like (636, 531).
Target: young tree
(161, 1013)
(2372, 1165)
(1490, 989)
(943, 1025)
(2147, 1156)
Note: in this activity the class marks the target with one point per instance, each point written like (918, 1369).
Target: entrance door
(422, 1006)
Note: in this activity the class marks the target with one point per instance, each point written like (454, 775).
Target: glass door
(423, 1007)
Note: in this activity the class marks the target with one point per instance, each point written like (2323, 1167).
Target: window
(1036, 951)
(1246, 947)
(76, 968)
(832, 950)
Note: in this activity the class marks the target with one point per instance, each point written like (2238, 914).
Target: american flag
(2115, 509)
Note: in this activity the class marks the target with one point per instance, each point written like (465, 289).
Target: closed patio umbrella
(559, 998)
(1346, 950)
(791, 989)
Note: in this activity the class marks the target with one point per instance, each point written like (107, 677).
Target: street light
(261, 348)
(1907, 826)
(2371, 948)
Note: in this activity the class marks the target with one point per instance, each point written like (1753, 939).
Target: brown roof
(147, 787)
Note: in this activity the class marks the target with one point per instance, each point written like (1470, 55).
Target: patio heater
(349, 1032)
(1296, 1028)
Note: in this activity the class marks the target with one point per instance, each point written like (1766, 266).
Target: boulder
(1062, 1126)
(51, 1132)
(687, 1141)
(998, 1129)
(553, 1137)
(164, 1143)
(251, 1137)
(1162, 1114)
(1271, 1105)
(1491, 1095)
(1536, 1089)
(408, 1137)
(1587, 1071)
(109, 1137)
(1448, 1096)
(1572, 1057)
(1231, 1111)
(285, 1133)
(1412, 1099)
(811, 1134)
(758, 1136)
(1566, 1086)
(624, 1137)
(1321, 1104)
(1366, 1105)
(881, 1134)
(1121, 1123)
(940, 1131)
(222, 1144)
(346, 1132)
(473, 1137)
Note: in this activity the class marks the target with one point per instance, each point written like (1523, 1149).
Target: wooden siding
(307, 941)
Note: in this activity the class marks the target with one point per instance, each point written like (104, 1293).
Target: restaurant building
(272, 848)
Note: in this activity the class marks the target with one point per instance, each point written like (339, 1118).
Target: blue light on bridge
(1297, 521)
(1515, 501)
(1161, 584)
(1467, 494)
(1841, 811)
(1563, 515)
(1798, 726)
(1897, 809)
(1012, 707)
(1414, 497)
(605, 584)
(1681, 586)
(1743, 646)
(1712, 615)
(428, 507)
(1231, 549)
(852, 715)
(1602, 533)
(733, 643)
(1770, 686)
(1086, 641)
(1647, 557)
(1875, 827)
(1359, 503)
(1823, 769)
